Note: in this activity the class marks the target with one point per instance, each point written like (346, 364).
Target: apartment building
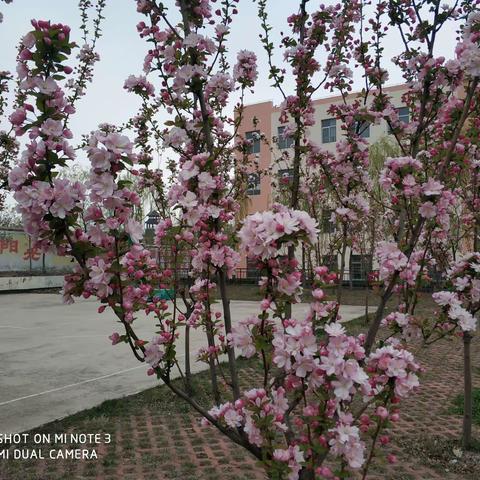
(263, 118)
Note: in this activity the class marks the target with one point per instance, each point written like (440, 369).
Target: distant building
(263, 118)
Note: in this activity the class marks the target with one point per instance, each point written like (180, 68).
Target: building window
(327, 226)
(362, 129)
(253, 271)
(329, 130)
(285, 176)
(331, 262)
(403, 116)
(283, 141)
(253, 184)
(360, 266)
(254, 139)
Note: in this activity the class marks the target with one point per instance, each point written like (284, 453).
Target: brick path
(150, 444)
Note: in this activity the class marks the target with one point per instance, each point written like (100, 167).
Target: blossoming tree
(322, 394)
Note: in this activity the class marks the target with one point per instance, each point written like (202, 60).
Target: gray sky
(122, 51)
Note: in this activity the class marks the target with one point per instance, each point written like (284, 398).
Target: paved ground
(56, 359)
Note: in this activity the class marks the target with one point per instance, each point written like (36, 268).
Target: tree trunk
(342, 266)
(211, 364)
(232, 361)
(188, 370)
(467, 392)
(366, 304)
(306, 474)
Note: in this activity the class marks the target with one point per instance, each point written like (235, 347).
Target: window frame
(283, 142)
(326, 225)
(257, 186)
(281, 176)
(331, 262)
(365, 133)
(399, 117)
(365, 267)
(255, 146)
(329, 131)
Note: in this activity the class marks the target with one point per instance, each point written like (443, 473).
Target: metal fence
(249, 275)
(350, 279)
(252, 276)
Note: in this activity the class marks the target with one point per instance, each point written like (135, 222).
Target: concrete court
(56, 359)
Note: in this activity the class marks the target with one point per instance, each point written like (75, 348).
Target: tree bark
(306, 474)
(188, 370)
(232, 361)
(467, 392)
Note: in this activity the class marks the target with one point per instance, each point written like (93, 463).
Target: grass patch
(457, 408)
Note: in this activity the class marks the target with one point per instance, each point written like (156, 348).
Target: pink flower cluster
(390, 259)
(393, 363)
(400, 172)
(468, 51)
(245, 70)
(403, 323)
(293, 457)
(257, 412)
(333, 366)
(139, 85)
(264, 233)
(345, 442)
(244, 332)
(462, 302)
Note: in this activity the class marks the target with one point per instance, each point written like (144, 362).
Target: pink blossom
(262, 232)
(382, 412)
(219, 87)
(335, 329)
(245, 70)
(175, 137)
(346, 442)
(153, 354)
(432, 188)
(18, 117)
(290, 284)
(100, 158)
(115, 338)
(134, 230)
(117, 143)
(52, 128)
(427, 210)
(47, 86)
(293, 456)
(102, 186)
(139, 85)
(391, 259)
(242, 338)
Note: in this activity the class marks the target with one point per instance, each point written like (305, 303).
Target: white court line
(82, 336)
(78, 383)
(71, 385)
(18, 328)
(57, 336)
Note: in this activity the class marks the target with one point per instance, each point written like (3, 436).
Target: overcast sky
(122, 51)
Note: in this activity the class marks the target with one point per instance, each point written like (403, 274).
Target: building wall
(321, 107)
(268, 115)
(18, 255)
(259, 117)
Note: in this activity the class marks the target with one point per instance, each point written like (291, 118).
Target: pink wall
(262, 112)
